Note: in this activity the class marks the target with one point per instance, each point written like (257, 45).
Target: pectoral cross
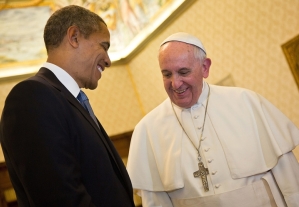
(202, 172)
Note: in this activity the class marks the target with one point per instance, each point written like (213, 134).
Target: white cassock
(247, 146)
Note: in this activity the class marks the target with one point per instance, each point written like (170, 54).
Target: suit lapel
(47, 76)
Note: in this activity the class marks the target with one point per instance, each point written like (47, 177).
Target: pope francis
(209, 145)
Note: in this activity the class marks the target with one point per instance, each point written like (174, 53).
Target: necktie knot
(82, 97)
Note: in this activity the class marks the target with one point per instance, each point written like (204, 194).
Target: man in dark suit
(57, 154)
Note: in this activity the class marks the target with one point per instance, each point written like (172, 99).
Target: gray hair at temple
(199, 49)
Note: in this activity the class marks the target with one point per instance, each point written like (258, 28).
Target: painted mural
(21, 34)
(129, 23)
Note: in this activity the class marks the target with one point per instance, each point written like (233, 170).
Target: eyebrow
(165, 70)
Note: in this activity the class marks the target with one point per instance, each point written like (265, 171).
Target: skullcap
(186, 38)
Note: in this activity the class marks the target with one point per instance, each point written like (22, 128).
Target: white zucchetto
(186, 38)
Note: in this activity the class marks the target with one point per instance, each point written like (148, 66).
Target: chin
(183, 104)
(93, 86)
(179, 104)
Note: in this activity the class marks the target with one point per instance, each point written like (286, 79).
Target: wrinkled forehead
(175, 55)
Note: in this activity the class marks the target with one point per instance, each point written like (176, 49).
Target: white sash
(257, 194)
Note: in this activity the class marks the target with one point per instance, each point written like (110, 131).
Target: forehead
(176, 53)
(101, 36)
(176, 49)
(103, 32)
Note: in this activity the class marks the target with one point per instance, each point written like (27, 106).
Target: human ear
(206, 67)
(73, 36)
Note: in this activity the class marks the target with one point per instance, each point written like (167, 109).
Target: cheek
(167, 84)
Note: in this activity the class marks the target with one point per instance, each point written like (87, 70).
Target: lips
(100, 68)
(180, 91)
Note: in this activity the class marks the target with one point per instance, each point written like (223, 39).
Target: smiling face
(92, 58)
(182, 73)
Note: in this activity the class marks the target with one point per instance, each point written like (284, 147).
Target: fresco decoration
(9, 4)
(129, 21)
(21, 32)
(291, 51)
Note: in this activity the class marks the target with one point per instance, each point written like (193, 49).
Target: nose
(176, 81)
(107, 61)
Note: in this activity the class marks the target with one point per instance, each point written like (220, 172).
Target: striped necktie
(85, 103)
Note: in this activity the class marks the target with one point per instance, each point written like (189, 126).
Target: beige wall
(243, 39)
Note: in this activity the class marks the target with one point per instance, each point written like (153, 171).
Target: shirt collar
(204, 94)
(64, 78)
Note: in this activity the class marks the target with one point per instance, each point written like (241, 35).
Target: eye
(184, 72)
(105, 46)
(166, 74)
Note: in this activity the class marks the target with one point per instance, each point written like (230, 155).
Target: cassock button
(217, 186)
(214, 172)
(207, 149)
(203, 138)
(196, 116)
(210, 160)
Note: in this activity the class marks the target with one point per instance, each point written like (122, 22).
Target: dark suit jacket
(55, 153)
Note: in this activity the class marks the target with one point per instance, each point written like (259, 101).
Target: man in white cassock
(209, 145)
